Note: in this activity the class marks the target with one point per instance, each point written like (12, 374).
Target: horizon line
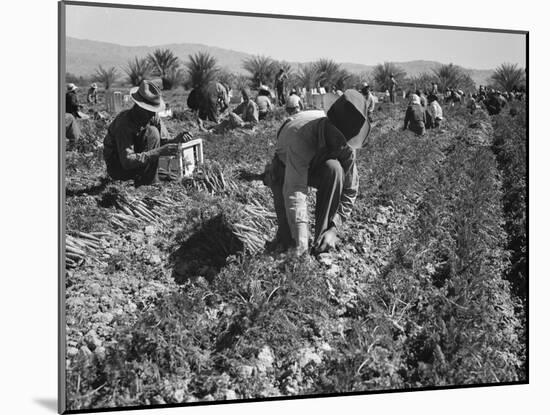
(299, 63)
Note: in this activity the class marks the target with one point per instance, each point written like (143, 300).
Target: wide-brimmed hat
(349, 115)
(94, 85)
(148, 96)
(71, 87)
(264, 88)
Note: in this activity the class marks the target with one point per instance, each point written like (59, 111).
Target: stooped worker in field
(365, 90)
(91, 97)
(263, 101)
(434, 113)
(132, 146)
(493, 103)
(415, 117)
(245, 115)
(222, 92)
(318, 150)
(293, 105)
(204, 101)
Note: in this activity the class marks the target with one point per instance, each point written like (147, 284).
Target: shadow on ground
(206, 251)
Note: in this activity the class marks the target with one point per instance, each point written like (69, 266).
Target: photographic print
(268, 207)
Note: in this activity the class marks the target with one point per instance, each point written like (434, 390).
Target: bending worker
(318, 150)
(132, 146)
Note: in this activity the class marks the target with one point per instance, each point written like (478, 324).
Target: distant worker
(263, 101)
(415, 117)
(280, 86)
(132, 145)
(423, 101)
(295, 92)
(434, 90)
(293, 105)
(91, 97)
(434, 113)
(471, 102)
(493, 103)
(71, 101)
(223, 96)
(318, 150)
(365, 90)
(393, 88)
(246, 113)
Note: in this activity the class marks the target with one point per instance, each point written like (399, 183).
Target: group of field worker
(313, 149)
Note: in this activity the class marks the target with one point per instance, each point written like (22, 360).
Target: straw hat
(148, 97)
(71, 87)
(94, 85)
(349, 115)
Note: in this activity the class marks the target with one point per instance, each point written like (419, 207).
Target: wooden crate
(190, 154)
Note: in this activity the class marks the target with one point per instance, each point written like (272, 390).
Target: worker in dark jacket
(71, 101)
(493, 103)
(132, 146)
(204, 101)
(415, 117)
(318, 150)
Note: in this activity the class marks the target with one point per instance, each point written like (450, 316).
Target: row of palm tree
(202, 68)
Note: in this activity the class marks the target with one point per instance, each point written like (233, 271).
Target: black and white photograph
(267, 207)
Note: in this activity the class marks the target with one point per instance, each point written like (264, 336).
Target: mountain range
(83, 56)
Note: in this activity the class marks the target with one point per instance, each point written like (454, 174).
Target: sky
(297, 41)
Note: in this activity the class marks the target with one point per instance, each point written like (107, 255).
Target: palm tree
(164, 63)
(382, 75)
(227, 78)
(137, 70)
(261, 68)
(329, 73)
(202, 68)
(507, 76)
(453, 76)
(307, 75)
(422, 81)
(106, 76)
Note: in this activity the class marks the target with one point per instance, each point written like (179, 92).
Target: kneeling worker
(132, 146)
(318, 150)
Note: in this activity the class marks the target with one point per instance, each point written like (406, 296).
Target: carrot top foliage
(423, 290)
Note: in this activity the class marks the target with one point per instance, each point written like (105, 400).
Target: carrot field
(172, 298)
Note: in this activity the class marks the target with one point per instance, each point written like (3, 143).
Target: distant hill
(83, 56)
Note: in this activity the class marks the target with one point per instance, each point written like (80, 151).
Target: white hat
(71, 87)
(264, 88)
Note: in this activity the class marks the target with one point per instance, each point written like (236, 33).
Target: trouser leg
(277, 179)
(328, 179)
(280, 96)
(148, 140)
(72, 130)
